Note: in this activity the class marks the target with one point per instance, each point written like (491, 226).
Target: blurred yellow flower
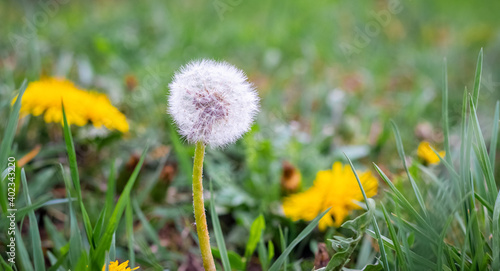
(336, 188)
(426, 153)
(114, 266)
(45, 97)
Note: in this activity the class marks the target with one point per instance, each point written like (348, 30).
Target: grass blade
(401, 151)
(129, 218)
(417, 230)
(392, 232)
(283, 242)
(262, 254)
(219, 237)
(106, 262)
(406, 245)
(494, 136)
(181, 151)
(399, 197)
(99, 225)
(55, 236)
(477, 77)
(70, 148)
(442, 243)
(75, 239)
(446, 123)
(7, 140)
(417, 258)
(110, 192)
(73, 167)
(484, 202)
(496, 235)
(152, 233)
(10, 130)
(383, 254)
(258, 226)
(56, 264)
(270, 247)
(112, 247)
(22, 252)
(36, 242)
(464, 159)
(39, 204)
(482, 155)
(150, 184)
(281, 259)
(448, 166)
(5, 265)
(106, 239)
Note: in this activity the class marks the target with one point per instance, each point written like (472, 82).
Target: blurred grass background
(291, 50)
(316, 100)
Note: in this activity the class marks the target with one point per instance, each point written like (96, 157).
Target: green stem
(199, 208)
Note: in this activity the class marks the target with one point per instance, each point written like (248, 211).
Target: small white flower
(212, 102)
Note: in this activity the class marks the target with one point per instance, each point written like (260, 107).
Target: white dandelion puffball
(212, 102)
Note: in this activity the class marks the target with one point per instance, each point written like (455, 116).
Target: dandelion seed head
(212, 102)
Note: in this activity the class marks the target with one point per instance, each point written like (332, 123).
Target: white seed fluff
(212, 102)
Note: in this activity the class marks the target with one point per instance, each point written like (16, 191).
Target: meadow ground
(361, 78)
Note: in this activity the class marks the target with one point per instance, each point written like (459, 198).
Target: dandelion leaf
(345, 246)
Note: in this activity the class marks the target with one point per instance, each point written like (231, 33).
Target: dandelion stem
(199, 208)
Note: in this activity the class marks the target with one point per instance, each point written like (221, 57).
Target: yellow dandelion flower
(45, 96)
(426, 153)
(115, 266)
(336, 188)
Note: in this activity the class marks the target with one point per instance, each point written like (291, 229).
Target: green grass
(444, 244)
(90, 205)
